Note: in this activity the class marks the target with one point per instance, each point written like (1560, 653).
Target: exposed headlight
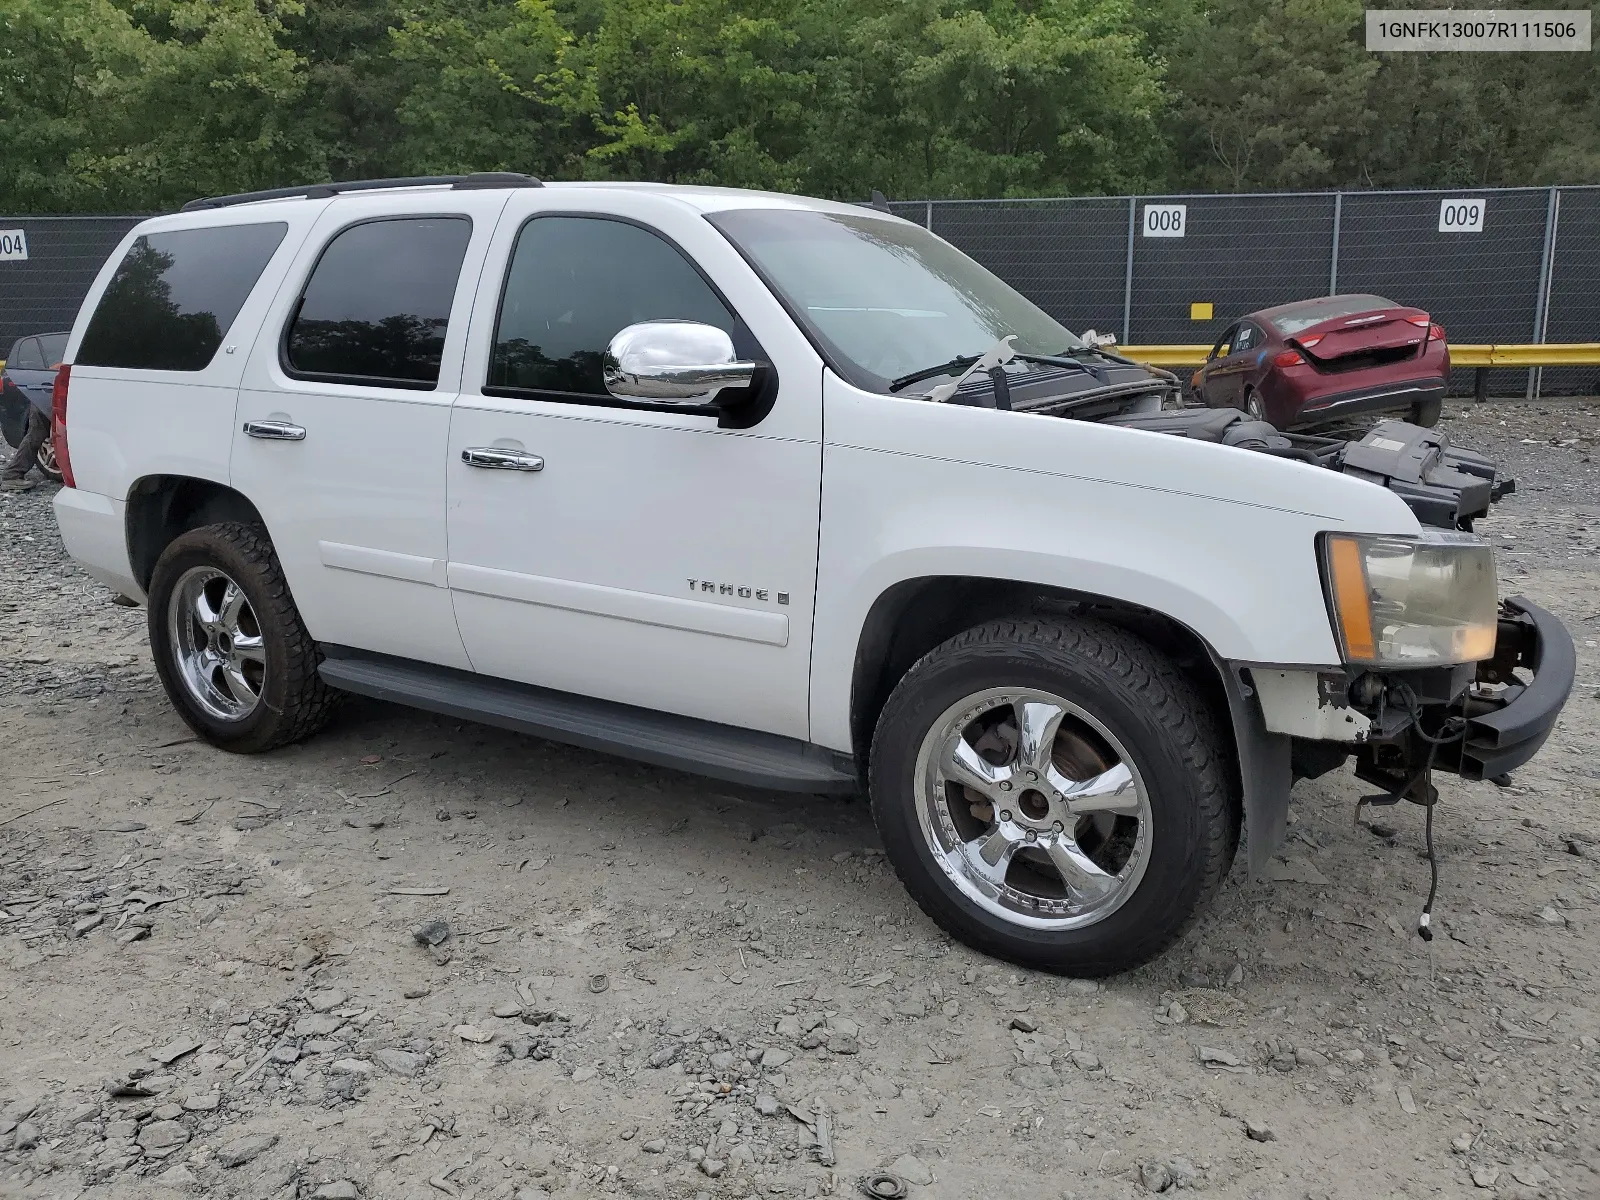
(1411, 601)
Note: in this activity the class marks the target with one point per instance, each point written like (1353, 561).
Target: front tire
(230, 648)
(1054, 793)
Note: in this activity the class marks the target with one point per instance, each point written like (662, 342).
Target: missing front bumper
(1506, 718)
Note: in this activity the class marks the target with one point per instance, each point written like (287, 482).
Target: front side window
(576, 282)
(53, 347)
(377, 306)
(174, 295)
(885, 298)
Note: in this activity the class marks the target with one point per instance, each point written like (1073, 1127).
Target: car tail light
(1436, 332)
(1287, 358)
(1420, 322)
(58, 424)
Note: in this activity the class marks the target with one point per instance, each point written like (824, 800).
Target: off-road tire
(1160, 719)
(1426, 413)
(295, 702)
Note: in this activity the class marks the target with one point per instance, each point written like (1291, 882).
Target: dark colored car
(29, 376)
(1328, 361)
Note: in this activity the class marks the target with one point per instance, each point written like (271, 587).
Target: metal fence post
(1541, 304)
(927, 222)
(1333, 269)
(1127, 278)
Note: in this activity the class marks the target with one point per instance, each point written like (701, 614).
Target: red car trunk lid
(1389, 330)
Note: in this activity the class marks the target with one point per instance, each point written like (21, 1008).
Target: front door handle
(275, 431)
(496, 458)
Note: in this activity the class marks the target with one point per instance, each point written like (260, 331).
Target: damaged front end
(1481, 720)
(1446, 487)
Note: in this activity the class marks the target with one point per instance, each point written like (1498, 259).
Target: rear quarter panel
(1220, 539)
(122, 424)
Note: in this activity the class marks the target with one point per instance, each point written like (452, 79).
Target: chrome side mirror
(673, 362)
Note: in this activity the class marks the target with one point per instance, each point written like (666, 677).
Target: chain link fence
(41, 294)
(1527, 269)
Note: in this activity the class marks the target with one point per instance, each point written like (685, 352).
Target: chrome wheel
(1033, 809)
(47, 460)
(216, 643)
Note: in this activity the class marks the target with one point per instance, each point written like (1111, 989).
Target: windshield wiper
(1001, 352)
(955, 364)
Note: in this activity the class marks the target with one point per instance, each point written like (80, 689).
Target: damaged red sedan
(1329, 361)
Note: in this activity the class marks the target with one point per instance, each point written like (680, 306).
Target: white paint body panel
(577, 577)
(124, 424)
(1291, 703)
(357, 509)
(93, 529)
(1220, 539)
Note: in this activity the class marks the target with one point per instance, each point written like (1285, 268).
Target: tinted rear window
(54, 346)
(377, 305)
(175, 295)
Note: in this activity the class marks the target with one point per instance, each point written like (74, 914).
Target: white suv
(785, 492)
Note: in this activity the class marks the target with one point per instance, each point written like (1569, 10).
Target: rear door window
(174, 296)
(575, 283)
(25, 356)
(54, 347)
(377, 306)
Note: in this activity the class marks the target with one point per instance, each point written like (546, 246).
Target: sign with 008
(13, 245)
(1165, 220)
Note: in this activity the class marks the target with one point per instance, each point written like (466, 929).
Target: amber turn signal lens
(1351, 600)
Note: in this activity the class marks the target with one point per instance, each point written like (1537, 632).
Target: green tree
(148, 105)
(1273, 94)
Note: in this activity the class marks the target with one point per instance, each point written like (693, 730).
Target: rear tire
(1427, 413)
(1253, 407)
(1034, 872)
(230, 648)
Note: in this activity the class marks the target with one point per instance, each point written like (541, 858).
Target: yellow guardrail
(1550, 354)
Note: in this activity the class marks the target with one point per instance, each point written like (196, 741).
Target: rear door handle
(275, 431)
(496, 458)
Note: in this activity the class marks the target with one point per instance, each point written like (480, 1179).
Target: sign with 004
(13, 245)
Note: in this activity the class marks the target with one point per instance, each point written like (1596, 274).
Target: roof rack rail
(321, 191)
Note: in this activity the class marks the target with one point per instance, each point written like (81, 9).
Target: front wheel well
(914, 616)
(164, 507)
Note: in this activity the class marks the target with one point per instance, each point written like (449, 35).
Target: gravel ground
(420, 958)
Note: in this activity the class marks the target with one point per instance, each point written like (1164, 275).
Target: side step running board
(683, 743)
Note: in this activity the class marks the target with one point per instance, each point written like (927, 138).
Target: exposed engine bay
(1445, 487)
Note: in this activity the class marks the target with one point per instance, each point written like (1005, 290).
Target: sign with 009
(1461, 214)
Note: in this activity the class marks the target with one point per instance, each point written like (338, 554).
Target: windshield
(885, 298)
